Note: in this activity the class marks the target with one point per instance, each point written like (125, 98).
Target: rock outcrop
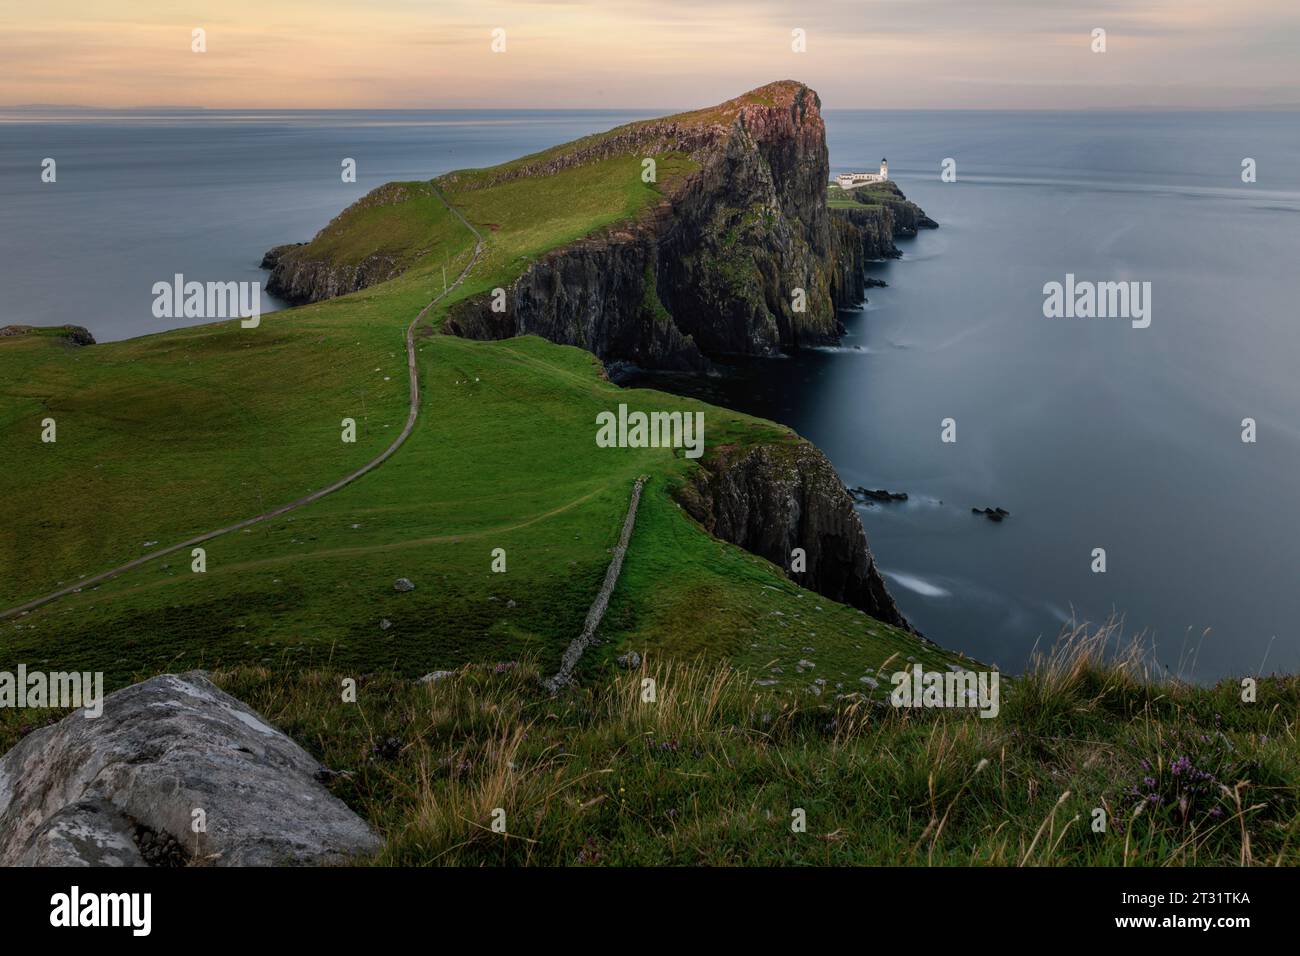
(74, 335)
(771, 499)
(123, 789)
(311, 271)
(742, 256)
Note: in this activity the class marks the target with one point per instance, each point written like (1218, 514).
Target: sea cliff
(741, 255)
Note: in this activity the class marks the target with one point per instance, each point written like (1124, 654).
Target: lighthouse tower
(884, 170)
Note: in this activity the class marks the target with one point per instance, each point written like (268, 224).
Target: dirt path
(315, 495)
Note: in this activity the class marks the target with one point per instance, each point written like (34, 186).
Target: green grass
(724, 114)
(711, 770)
(404, 221)
(163, 437)
(867, 196)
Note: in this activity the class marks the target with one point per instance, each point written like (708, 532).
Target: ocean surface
(1092, 433)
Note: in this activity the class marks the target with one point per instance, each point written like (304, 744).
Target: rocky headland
(742, 255)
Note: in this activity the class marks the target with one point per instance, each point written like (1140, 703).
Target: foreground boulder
(124, 789)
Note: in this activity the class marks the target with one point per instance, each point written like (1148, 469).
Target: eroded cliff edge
(366, 244)
(743, 256)
(770, 499)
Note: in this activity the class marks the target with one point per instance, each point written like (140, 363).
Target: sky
(883, 54)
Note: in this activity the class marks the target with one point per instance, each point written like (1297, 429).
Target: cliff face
(299, 278)
(742, 257)
(712, 270)
(771, 499)
(312, 271)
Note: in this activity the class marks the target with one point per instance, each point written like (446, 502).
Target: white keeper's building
(853, 180)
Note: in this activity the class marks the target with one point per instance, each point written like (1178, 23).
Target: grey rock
(120, 789)
(403, 584)
(870, 682)
(385, 624)
(629, 661)
(770, 500)
(88, 833)
(434, 676)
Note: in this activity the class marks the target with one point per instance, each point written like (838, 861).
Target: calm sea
(1092, 434)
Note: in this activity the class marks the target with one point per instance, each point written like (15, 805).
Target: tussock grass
(710, 772)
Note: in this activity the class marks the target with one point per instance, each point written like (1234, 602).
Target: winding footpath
(315, 495)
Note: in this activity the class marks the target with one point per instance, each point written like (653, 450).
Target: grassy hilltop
(165, 436)
(170, 435)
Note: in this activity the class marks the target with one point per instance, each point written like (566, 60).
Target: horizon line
(662, 111)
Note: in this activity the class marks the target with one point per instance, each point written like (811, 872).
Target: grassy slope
(170, 434)
(398, 229)
(866, 196)
(164, 436)
(710, 772)
(503, 455)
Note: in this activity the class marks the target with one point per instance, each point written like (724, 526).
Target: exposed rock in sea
(124, 788)
(878, 494)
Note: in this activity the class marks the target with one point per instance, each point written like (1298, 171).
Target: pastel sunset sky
(648, 53)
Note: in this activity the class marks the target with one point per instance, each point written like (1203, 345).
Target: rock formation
(74, 335)
(123, 789)
(771, 499)
(713, 268)
(312, 271)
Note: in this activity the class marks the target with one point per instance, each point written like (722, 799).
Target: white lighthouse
(847, 181)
